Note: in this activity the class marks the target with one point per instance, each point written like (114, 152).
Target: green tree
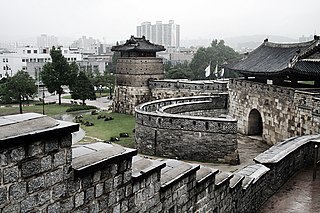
(82, 88)
(179, 71)
(217, 53)
(20, 86)
(57, 73)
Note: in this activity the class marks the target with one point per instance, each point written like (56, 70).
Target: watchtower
(136, 65)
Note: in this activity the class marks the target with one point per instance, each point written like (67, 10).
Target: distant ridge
(239, 42)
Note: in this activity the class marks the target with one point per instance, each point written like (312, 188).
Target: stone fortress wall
(163, 129)
(42, 172)
(285, 112)
(170, 88)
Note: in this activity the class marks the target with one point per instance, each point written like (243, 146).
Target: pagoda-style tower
(136, 65)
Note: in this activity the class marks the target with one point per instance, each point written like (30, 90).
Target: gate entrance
(255, 123)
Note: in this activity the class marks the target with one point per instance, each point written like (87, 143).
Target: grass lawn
(106, 129)
(50, 109)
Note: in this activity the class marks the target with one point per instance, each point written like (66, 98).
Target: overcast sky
(117, 19)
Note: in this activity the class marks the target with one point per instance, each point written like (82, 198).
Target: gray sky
(117, 19)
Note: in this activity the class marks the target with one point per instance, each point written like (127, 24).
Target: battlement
(171, 88)
(41, 171)
(162, 123)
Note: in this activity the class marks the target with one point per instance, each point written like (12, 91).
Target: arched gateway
(255, 123)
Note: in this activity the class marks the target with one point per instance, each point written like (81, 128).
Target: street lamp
(43, 96)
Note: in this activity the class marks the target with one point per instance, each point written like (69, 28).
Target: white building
(164, 34)
(88, 45)
(31, 60)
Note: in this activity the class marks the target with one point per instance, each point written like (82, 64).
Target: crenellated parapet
(41, 171)
(175, 88)
(164, 129)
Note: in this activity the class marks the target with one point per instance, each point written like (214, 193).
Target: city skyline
(117, 20)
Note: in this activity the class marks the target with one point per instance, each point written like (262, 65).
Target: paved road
(102, 103)
(299, 195)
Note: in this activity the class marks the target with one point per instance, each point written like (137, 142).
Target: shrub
(80, 107)
(124, 135)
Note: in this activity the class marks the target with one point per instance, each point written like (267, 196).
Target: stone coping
(14, 125)
(174, 171)
(191, 82)
(236, 180)
(280, 150)
(252, 173)
(87, 157)
(142, 167)
(205, 173)
(159, 113)
(222, 177)
(32, 127)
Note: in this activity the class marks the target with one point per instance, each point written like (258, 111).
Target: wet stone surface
(299, 195)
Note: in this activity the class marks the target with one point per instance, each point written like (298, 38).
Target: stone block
(128, 190)
(54, 208)
(54, 177)
(51, 145)
(117, 181)
(46, 163)
(3, 195)
(11, 208)
(17, 154)
(66, 141)
(43, 197)
(10, 174)
(18, 190)
(36, 148)
(28, 204)
(97, 176)
(59, 158)
(58, 191)
(86, 181)
(67, 204)
(73, 186)
(3, 158)
(79, 199)
(89, 194)
(99, 189)
(36, 184)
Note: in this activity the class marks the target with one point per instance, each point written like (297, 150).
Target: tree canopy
(82, 88)
(19, 86)
(57, 73)
(216, 53)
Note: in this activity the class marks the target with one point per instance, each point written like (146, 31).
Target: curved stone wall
(163, 129)
(170, 88)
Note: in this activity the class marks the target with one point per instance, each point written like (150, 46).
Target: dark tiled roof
(312, 67)
(274, 58)
(135, 44)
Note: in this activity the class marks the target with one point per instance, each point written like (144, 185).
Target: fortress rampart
(42, 172)
(170, 88)
(285, 112)
(163, 129)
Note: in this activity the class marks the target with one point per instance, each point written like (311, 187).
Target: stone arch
(255, 125)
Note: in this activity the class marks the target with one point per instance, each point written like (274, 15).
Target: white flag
(222, 73)
(207, 70)
(216, 71)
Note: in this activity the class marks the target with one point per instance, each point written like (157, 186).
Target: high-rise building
(45, 41)
(164, 34)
